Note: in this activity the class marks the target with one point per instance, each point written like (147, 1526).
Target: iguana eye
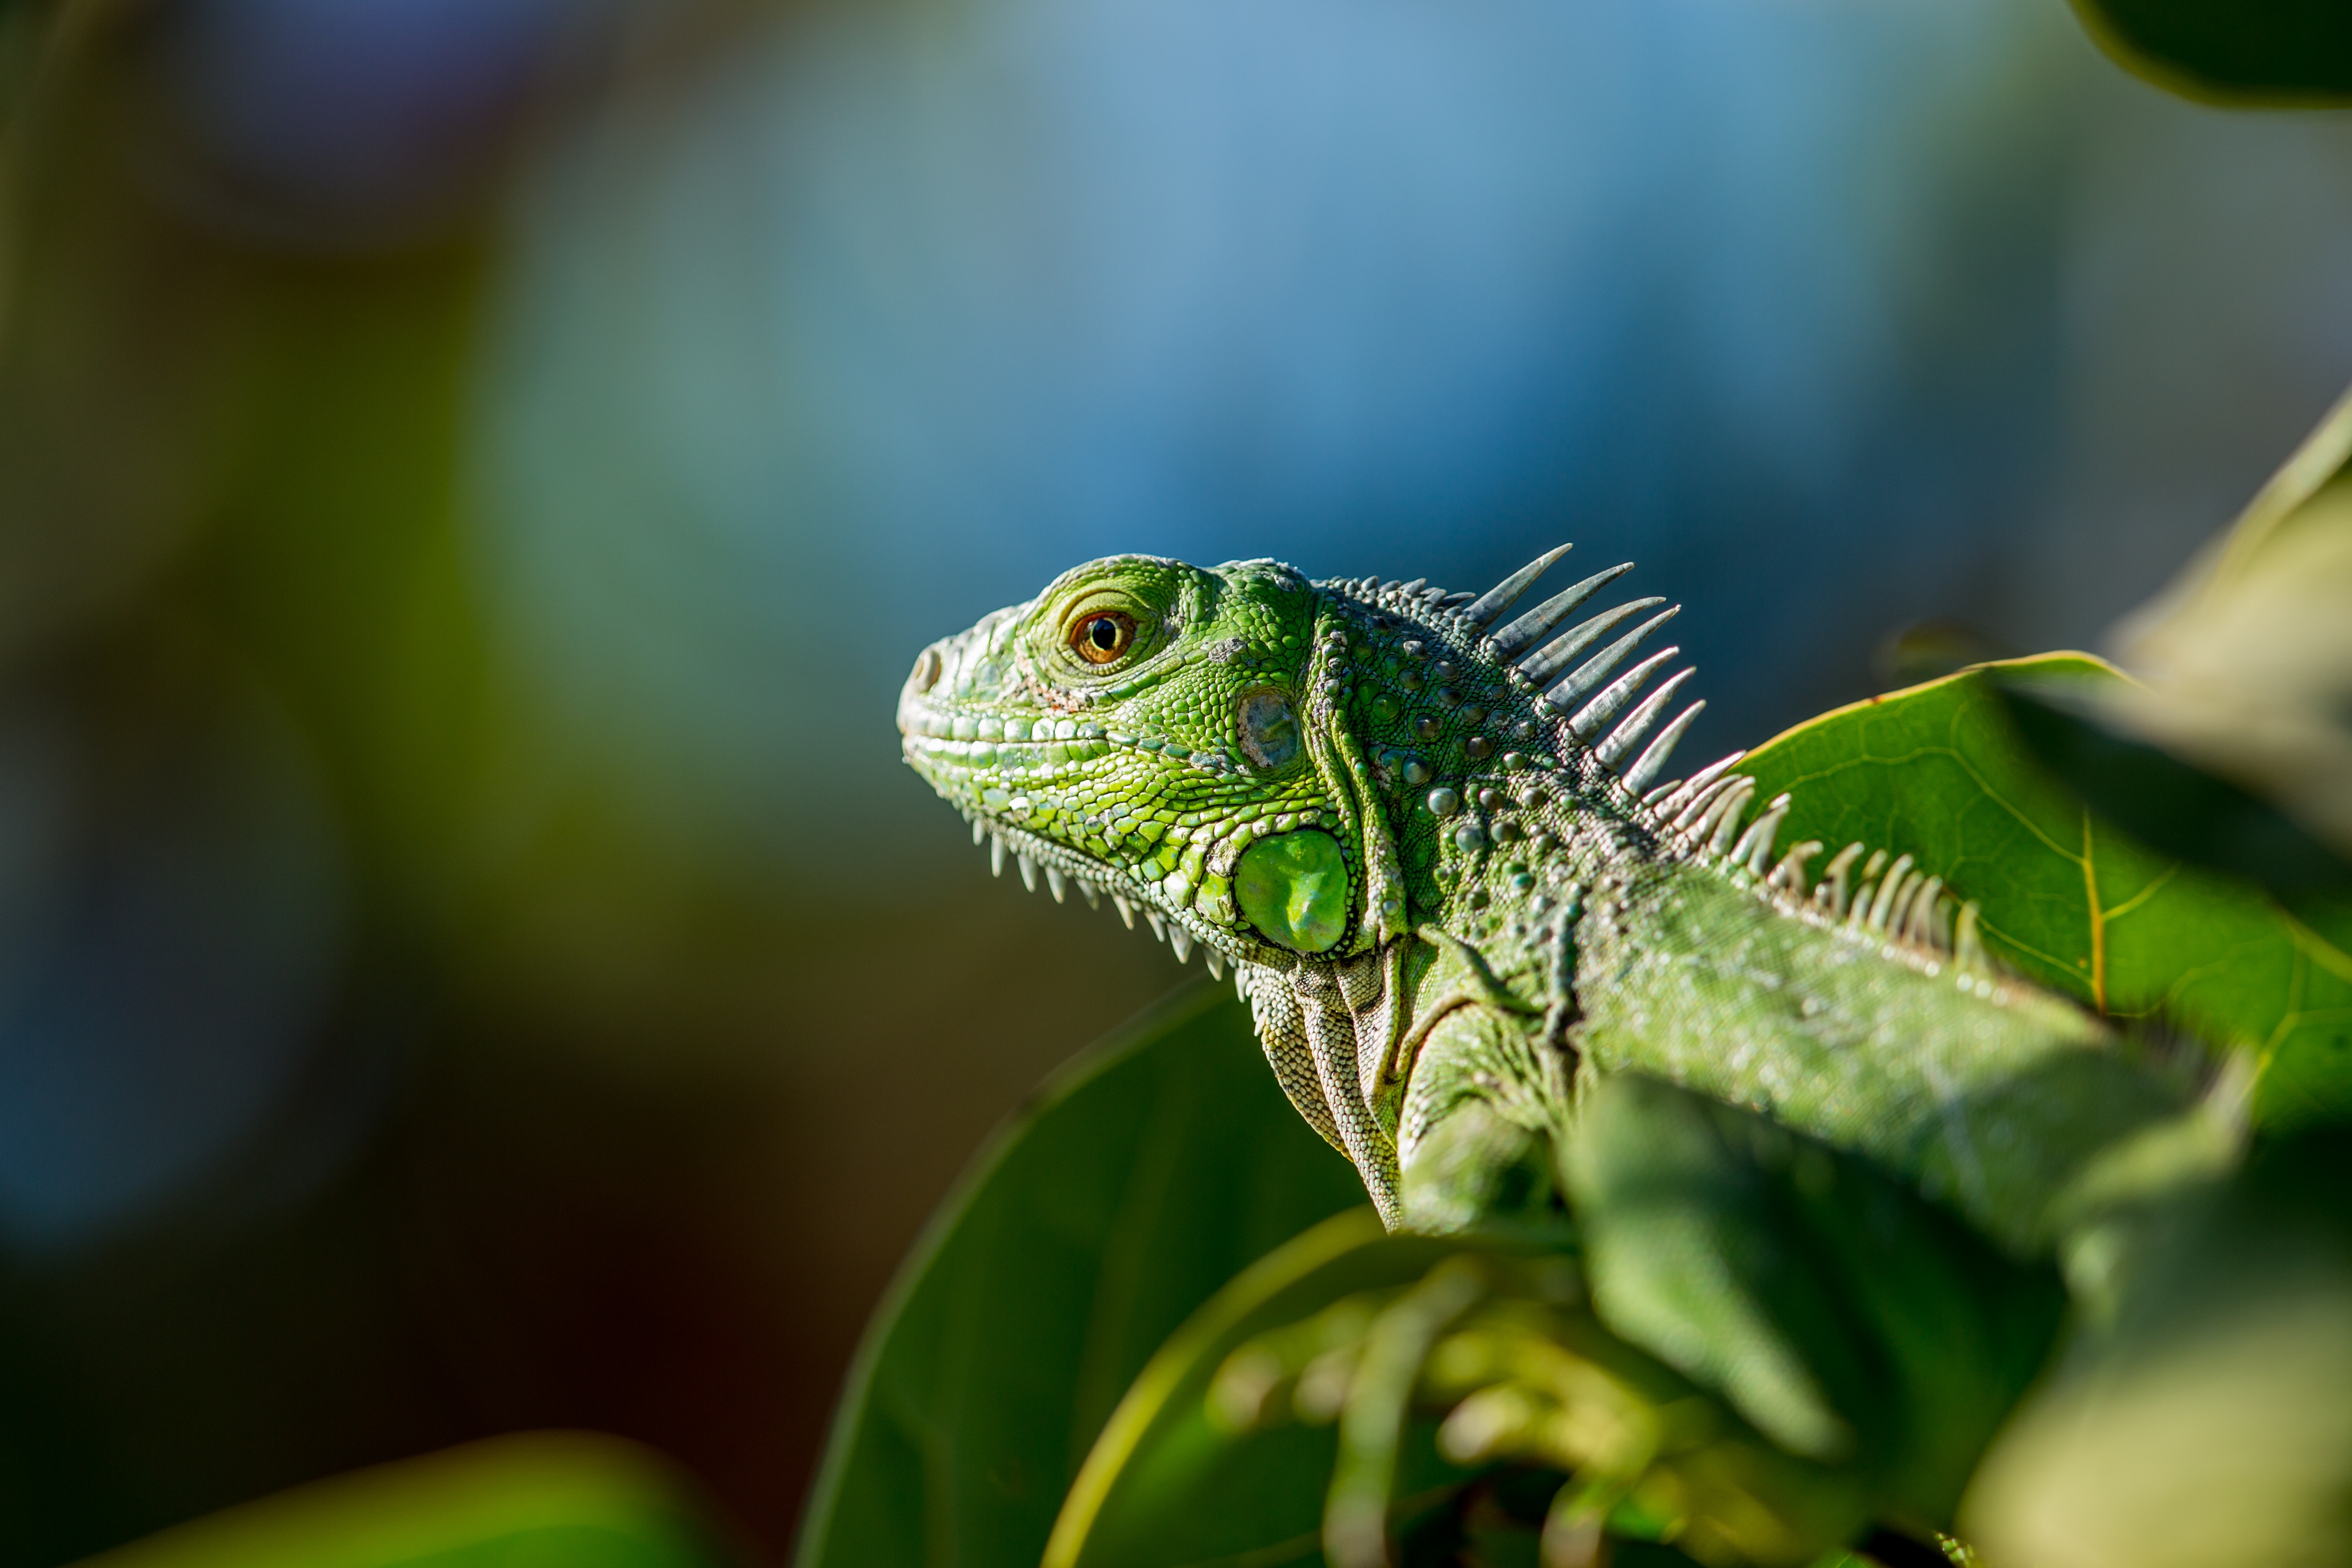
(1103, 637)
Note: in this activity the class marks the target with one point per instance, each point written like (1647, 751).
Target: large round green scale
(1293, 887)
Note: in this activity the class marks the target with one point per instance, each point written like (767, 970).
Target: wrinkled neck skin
(1496, 915)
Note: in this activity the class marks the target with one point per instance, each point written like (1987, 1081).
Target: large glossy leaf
(1934, 772)
(2231, 52)
(554, 1499)
(1144, 1177)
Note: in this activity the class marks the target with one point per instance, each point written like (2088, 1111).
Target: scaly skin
(1445, 903)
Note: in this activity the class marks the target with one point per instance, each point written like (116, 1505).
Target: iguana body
(1433, 840)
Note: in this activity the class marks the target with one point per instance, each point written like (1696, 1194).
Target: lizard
(1433, 840)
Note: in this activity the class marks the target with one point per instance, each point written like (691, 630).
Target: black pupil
(1104, 633)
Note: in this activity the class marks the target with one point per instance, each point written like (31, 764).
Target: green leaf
(2253, 52)
(1145, 1175)
(2207, 1418)
(2242, 665)
(1843, 1315)
(2065, 900)
(555, 1499)
(2171, 805)
(1166, 1485)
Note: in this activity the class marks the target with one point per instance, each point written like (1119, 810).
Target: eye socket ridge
(1102, 636)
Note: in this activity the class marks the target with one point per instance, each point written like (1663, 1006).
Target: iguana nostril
(926, 670)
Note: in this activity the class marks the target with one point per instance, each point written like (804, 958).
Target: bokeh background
(474, 472)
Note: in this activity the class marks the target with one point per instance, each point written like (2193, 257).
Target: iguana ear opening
(1348, 779)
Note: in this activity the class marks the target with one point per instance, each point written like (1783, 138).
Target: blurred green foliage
(534, 1500)
(565, 1128)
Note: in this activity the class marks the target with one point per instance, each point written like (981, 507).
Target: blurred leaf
(552, 1500)
(2277, 52)
(1167, 1484)
(2210, 1421)
(2066, 901)
(1843, 1315)
(2244, 662)
(1148, 1174)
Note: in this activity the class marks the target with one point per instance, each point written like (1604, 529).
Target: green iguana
(1436, 842)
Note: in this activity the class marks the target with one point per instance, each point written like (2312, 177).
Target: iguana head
(1271, 767)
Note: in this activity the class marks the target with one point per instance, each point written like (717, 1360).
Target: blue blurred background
(474, 472)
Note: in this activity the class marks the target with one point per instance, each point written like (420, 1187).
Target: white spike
(1589, 719)
(1538, 623)
(1830, 892)
(1028, 871)
(1696, 784)
(1754, 846)
(997, 855)
(1726, 816)
(1865, 897)
(1126, 909)
(1967, 944)
(1899, 918)
(1545, 663)
(1636, 725)
(1089, 891)
(1789, 876)
(1059, 884)
(1179, 939)
(1874, 914)
(1894, 890)
(1575, 687)
(1698, 805)
(1214, 961)
(979, 829)
(1504, 594)
(1159, 922)
(1923, 927)
(1652, 760)
(1895, 902)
